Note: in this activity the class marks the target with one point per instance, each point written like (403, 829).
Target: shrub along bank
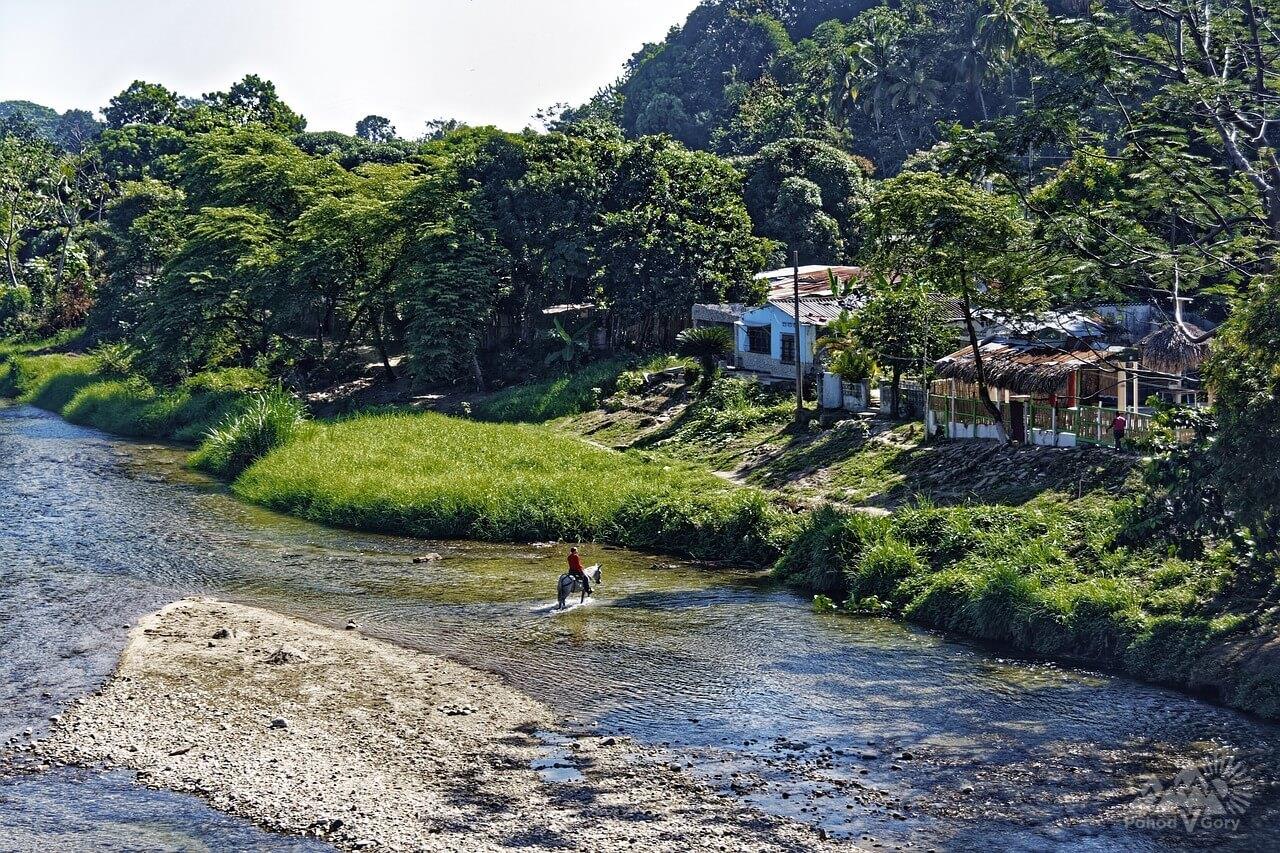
(90, 390)
(1048, 580)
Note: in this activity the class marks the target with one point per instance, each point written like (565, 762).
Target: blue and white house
(767, 338)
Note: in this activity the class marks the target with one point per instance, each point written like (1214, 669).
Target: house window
(758, 339)
(788, 349)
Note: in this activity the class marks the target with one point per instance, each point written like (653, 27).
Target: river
(950, 746)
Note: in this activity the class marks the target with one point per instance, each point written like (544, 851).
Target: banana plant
(567, 346)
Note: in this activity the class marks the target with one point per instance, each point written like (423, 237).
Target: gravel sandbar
(309, 730)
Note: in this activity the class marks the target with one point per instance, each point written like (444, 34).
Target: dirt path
(309, 730)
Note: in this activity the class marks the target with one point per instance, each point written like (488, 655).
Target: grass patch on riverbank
(538, 402)
(434, 476)
(1050, 580)
(82, 390)
(573, 393)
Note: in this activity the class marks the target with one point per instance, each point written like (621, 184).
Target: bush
(539, 402)
(824, 554)
(268, 420)
(731, 407)
(78, 388)
(238, 380)
(47, 381)
(115, 359)
(884, 571)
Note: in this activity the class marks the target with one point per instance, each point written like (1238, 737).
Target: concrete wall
(779, 324)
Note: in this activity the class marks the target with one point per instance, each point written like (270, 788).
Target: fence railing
(1089, 424)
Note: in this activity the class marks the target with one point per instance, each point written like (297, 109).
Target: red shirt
(575, 563)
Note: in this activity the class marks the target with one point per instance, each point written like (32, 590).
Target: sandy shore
(309, 730)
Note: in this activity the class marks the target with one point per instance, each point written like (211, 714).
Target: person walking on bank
(1118, 426)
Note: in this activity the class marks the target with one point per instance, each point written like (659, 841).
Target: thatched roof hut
(1170, 349)
(1022, 368)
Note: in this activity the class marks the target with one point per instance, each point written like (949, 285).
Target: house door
(1018, 421)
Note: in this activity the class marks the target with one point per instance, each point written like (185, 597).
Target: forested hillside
(1008, 153)
(72, 130)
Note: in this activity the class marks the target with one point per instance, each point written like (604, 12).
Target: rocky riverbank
(309, 730)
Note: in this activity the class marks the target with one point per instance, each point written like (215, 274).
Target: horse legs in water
(569, 582)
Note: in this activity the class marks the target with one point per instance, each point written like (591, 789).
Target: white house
(766, 340)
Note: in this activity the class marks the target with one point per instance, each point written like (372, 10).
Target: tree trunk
(8, 250)
(62, 258)
(895, 390)
(476, 373)
(984, 393)
(382, 350)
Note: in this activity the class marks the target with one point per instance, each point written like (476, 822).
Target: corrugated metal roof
(726, 312)
(814, 280)
(569, 307)
(813, 311)
(950, 309)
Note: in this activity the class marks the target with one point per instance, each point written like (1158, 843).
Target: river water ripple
(882, 733)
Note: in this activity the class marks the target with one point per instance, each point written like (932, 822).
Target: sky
(480, 61)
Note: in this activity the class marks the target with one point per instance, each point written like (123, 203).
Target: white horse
(571, 583)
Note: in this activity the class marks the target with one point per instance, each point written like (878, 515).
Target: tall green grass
(1048, 580)
(539, 402)
(79, 388)
(267, 420)
(434, 476)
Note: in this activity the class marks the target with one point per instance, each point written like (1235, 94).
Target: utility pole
(924, 360)
(795, 289)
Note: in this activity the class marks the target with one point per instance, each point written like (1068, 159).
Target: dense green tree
(808, 195)
(76, 130)
(254, 99)
(29, 178)
(965, 242)
(342, 256)
(674, 231)
(374, 128)
(141, 232)
(211, 302)
(902, 329)
(142, 103)
(1244, 454)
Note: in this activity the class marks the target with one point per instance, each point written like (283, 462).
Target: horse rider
(575, 569)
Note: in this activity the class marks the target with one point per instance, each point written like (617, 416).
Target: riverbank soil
(867, 462)
(313, 731)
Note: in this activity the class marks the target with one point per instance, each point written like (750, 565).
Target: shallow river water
(889, 735)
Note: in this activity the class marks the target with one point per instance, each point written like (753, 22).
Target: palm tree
(1003, 31)
(913, 81)
(706, 344)
(862, 75)
(974, 66)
